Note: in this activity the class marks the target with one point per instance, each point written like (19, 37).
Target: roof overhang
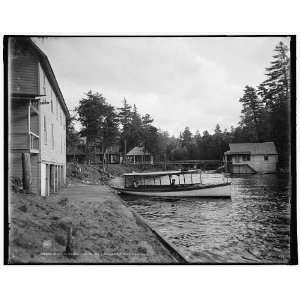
(44, 61)
(26, 96)
(232, 153)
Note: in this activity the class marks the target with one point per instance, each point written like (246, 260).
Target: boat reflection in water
(254, 227)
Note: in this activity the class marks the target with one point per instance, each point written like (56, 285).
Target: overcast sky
(180, 82)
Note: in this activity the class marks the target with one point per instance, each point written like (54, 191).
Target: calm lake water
(251, 227)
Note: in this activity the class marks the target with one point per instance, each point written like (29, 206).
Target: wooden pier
(179, 164)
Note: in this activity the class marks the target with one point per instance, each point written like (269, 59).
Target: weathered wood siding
(241, 169)
(15, 169)
(23, 71)
(258, 163)
(18, 117)
(27, 77)
(15, 164)
(52, 126)
(35, 173)
(18, 126)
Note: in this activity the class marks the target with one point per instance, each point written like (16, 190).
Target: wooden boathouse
(139, 155)
(250, 158)
(37, 119)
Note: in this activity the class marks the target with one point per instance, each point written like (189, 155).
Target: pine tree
(251, 113)
(125, 117)
(99, 121)
(186, 137)
(275, 89)
(275, 92)
(218, 130)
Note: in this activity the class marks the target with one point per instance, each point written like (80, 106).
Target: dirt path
(104, 230)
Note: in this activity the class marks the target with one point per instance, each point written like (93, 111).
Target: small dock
(177, 164)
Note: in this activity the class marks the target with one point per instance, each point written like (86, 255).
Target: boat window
(266, 157)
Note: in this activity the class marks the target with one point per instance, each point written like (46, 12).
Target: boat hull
(218, 191)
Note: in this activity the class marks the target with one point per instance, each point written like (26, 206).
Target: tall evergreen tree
(275, 92)
(251, 113)
(98, 119)
(125, 117)
(186, 137)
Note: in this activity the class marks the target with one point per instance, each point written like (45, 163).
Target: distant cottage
(138, 155)
(250, 158)
(38, 116)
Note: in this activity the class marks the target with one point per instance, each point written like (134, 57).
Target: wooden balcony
(28, 141)
(24, 126)
(34, 143)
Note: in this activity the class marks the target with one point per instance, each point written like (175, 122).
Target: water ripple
(251, 227)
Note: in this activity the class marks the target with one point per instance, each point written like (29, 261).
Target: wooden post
(55, 178)
(58, 178)
(46, 181)
(52, 178)
(26, 168)
(69, 245)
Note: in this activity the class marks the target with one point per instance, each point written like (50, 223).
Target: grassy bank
(103, 229)
(94, 174)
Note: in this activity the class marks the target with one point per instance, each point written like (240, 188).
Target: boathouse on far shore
(250, 158)
(139, 155)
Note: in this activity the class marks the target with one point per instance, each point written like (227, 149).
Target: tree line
(264, 117)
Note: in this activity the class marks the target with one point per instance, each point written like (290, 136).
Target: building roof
(252, 148)
(44, 61)
(138, 151)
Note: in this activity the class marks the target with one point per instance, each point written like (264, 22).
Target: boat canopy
(161, 173)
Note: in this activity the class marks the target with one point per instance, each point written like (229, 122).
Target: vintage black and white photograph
(150, 149)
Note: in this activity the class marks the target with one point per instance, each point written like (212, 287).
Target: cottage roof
(138, 151)
(252, 148)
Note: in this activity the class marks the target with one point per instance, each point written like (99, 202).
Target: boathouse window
(266, 157)
(45, 131)
(246, 157)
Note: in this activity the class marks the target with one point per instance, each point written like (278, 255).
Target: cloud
(193, 82)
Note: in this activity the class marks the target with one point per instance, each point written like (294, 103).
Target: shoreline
(104, 230)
